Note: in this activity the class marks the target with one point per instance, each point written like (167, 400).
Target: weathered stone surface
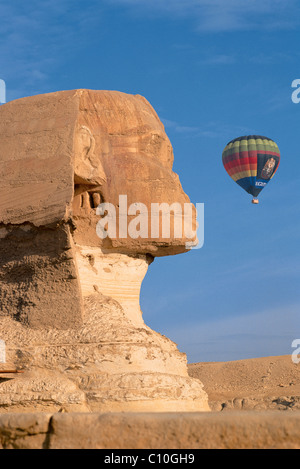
(69, 300)
(35, 158)
(109, 364)
(178, 431)
(115, 275)
(39, 277)
(24, 431)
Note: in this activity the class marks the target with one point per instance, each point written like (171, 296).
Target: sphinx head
(67, 159)
(123, 161)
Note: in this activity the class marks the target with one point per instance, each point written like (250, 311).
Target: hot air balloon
(251, 161)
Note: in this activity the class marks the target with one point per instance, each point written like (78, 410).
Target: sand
(268, 383)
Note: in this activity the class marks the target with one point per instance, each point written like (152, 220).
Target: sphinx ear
(88, 168)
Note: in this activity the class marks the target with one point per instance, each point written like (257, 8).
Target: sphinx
(69, 298)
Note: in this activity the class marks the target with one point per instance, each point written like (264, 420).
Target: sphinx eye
(95, 199)
(90, 199)
(86, 199)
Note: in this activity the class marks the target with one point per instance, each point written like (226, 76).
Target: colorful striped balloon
(251, 161)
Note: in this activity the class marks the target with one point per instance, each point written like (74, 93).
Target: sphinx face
(124, 157)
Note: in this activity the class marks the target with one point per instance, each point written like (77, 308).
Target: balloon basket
(255, 201)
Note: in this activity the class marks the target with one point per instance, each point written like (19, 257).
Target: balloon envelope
(251, 161)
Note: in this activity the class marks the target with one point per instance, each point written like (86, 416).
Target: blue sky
(213, 70)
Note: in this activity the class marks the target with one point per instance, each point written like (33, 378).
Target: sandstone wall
(173, 431)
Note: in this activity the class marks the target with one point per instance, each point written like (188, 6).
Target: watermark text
(2, 92)
(296, 353)
(2, 352)
(296, 92)
(166, 221)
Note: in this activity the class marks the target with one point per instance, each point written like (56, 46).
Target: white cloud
(178, 127)
(219, 59)
(34, 39)
(263, 333)
(223, 15)
(207, 130)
